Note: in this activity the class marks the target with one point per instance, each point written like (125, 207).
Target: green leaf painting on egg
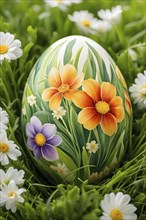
(76, 112)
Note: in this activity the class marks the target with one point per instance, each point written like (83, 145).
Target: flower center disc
(3, 49)
(12, 195)
(63, 88)
(40, 139)
(143, 91)
(86, 23)
(102, 107)
(116, 214)
(3, 147)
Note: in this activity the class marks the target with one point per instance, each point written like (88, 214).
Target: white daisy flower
(59, 113)
(113, 15)
(85, 21)
(4, 120)
(9, 48)
(31, 100)
(8, 149)
(62, 4)
(138, 90)
(92, 147)
(24, 111)
(117, 207)
(103, 26)
(10, 195)
(11, 174)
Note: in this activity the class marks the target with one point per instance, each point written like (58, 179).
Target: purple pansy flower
(42, 139)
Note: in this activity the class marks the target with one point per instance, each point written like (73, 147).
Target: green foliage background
(26, 19)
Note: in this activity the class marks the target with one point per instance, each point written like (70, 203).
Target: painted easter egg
(76, 112)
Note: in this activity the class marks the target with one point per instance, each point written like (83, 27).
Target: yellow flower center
(3, 49)
(102, 107)
(6, 182)
(143, 90)
(12, 195)
(86, 23)
(92, 146)
(116, 214)
(61, 170)
(63, 88)
(4, 147)
(40, 139)
(59, 1)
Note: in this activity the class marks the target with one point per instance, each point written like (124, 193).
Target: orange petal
(92, 122)
(86, 114)
(82, 100)
(55, 101)
(92, 88)
(69, 95)
(116, 101)
(108, 124)
(54, 78)
(108, 91)
(48, 93)
(68, 74)
(128, 103)
(118, 113)
(77, 82)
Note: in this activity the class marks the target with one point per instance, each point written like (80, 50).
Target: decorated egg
(76, 114)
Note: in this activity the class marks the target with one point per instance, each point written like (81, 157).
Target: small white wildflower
(116, 206)
(31, 100)
(59, 113)
(61, 168)
(138, 90)
(10, 195)
(85, 21)
(103, 26)
(8, 149)
(11, 174)
(92, 147)
(9, 48)
(4, 120)
(24, 111)
(62, 4)
(113, 15)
